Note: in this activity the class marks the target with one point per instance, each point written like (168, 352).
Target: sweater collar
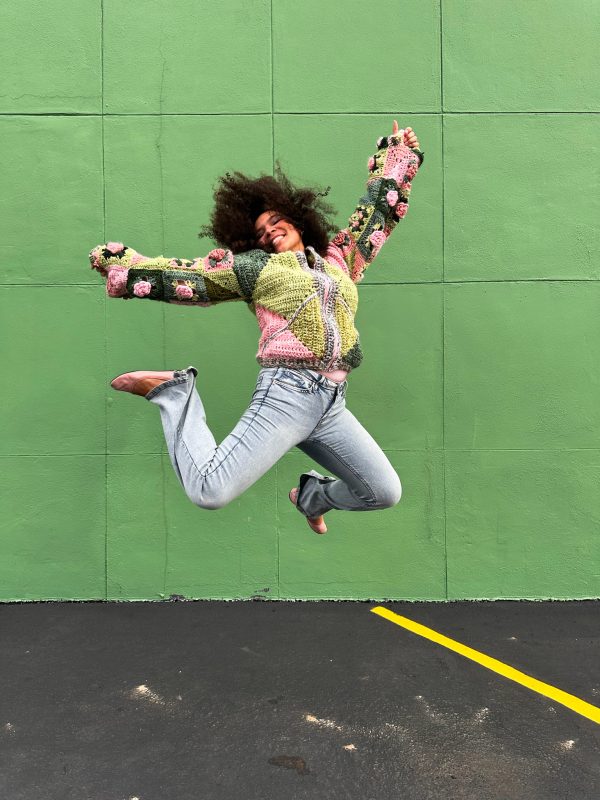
(310, 258)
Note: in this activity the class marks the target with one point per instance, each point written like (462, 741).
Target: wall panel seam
(272, 77)
(106, 503)
(301, 113)
(443, 332)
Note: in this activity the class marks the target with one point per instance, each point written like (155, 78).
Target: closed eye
(260, 233)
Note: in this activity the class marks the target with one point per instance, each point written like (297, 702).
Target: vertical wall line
(105, 308)
(159, 147)
(443, 211)
(277, 592)
(272, 72)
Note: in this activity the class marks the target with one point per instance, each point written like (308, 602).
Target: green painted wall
(480, 320)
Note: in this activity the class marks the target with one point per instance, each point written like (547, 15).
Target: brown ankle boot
(143, 385)
(140, 385)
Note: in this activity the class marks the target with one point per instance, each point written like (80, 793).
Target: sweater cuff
(386, 141)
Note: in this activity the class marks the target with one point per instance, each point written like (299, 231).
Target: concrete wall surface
(479, 320)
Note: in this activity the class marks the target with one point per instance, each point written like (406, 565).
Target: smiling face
(275, 234)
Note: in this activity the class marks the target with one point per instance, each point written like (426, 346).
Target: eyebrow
(270, 218)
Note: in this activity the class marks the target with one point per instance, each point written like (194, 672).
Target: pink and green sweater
(304, 304)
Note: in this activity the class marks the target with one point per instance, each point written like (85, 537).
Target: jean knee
(208, 499)
(390, 494)
(208, 505)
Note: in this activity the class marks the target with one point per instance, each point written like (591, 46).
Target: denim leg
(284, 409)
(366, 480)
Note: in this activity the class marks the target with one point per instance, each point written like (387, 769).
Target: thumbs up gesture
(410, 137)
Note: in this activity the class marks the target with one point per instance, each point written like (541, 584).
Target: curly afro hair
(240, 200)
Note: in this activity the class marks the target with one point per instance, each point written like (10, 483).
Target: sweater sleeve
(201, 282)
(384, 204)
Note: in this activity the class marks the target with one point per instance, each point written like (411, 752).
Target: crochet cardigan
(304, 304)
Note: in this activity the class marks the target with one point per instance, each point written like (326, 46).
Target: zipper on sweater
(329, 319)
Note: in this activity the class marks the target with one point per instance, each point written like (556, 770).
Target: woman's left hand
(410, 137)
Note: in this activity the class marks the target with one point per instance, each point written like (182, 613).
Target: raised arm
(216, 278)
(385, 203)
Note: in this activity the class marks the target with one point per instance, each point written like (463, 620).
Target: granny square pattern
(304, 303)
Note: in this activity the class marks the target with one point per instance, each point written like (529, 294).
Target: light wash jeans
(289, 408)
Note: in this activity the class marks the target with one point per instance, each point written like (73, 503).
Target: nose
(273, 232)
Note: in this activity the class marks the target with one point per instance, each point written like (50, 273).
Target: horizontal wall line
(286, 113)
(385, 450)
(54, 285)
(499, 280)
(430, 113)
(362, 285)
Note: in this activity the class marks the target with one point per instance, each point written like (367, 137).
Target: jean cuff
(179, 376)
(310, 500)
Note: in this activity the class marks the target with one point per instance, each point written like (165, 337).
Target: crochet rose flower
(340, 237)
(184, 292)
(96, 259)
(115, 247)
(411, 172)
(401, 210)
(142, 288)
(116, 283)
(377, 238)
(392, 197)
(219, 259)
(406, 185)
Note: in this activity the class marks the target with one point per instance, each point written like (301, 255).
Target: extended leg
(213, 475)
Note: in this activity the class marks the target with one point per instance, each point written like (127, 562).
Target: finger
(395, 127)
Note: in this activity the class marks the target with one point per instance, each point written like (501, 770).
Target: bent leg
(366, 480)
(213, 475)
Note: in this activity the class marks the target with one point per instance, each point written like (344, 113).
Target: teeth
(281, 235)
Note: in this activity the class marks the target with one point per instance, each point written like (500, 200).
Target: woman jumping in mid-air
(276, 254)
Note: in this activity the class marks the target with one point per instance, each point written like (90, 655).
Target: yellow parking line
(568, 700)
